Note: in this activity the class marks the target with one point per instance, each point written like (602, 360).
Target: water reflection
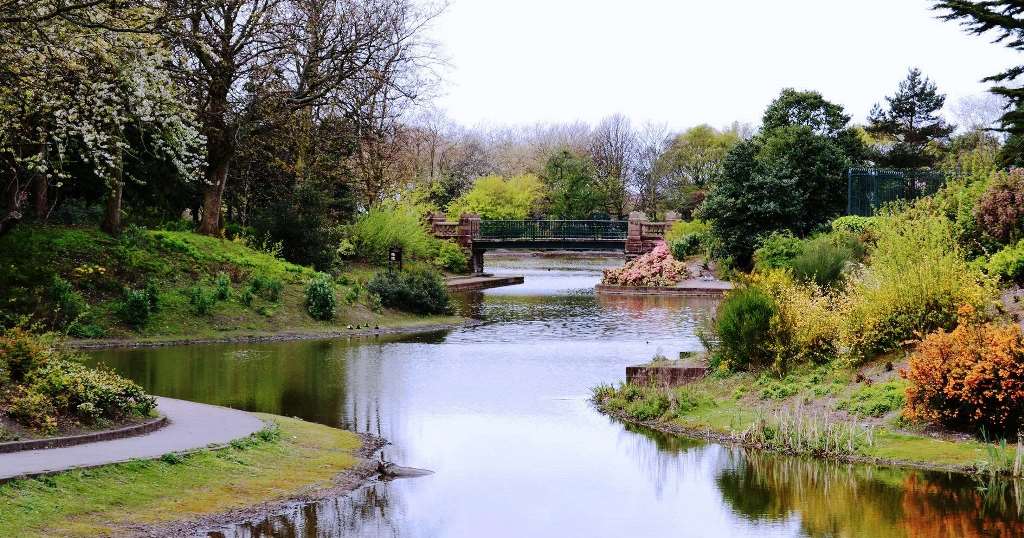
(500, 413)
(833, 499)
(339, 516)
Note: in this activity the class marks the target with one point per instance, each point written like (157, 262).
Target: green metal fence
(870, 188)
(553, 229)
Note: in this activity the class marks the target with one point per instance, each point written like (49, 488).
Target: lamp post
(394, 258)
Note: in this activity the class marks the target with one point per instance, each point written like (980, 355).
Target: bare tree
(649, 181)
(979, 112)
(352, 54)
(613, 148)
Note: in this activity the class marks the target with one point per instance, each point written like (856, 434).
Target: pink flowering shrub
(657, 268)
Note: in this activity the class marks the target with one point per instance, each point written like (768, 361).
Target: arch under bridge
(631, 237)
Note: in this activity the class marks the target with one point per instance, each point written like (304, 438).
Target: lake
(500, 413)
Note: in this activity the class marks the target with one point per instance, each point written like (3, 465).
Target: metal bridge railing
(553, 229)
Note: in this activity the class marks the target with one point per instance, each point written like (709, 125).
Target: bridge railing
(553, 229)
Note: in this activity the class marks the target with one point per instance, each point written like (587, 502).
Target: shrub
(134, 308)
(972, 377)
(777, 251)
(32, 410)
(274, 288)
(808, 326)
(656, 269)
(68, 303)
(247, 296)
(451, 257)
(646, 403)
(916, 280)
(821, 261)
(70, 385)
(1000, 210)
(346, 249)
(686, 246)
(352, 295)
(201, 300)
(269, 287)
(50, 383)
(134, 236)
(420, 291)
(86, 330)
(652, 406)
(300, 222)
(682, 228)
(20, 353)
(153, 295)
(223, 286)
(743, 328)
(320, 301)
(1007, 264)
(958, 200)
(382, 228)
(853, 224)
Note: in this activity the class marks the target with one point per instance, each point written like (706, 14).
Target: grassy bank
(271, 465)
(833, 412)
(89, 284)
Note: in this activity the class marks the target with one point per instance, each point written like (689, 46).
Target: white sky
(687, 62)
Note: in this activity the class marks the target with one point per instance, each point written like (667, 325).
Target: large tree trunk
(213, 192)
(40, 187)
(112, 215)
(219, 151)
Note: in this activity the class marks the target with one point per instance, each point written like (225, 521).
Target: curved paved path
(190, 426)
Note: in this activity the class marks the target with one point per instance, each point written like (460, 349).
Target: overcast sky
(686, 62)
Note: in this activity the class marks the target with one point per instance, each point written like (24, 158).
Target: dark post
(394, 259)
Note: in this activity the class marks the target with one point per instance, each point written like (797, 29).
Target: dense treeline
(285, 121)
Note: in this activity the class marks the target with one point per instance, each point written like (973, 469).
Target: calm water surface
(499, 412)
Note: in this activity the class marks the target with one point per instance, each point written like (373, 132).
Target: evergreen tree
(909, 123)
(1005, 19)
(824, 118)
(785, 178)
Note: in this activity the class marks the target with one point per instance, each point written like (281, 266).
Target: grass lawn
(98, 501)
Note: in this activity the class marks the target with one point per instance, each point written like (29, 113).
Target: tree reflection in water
(368, 511)
(835, 499)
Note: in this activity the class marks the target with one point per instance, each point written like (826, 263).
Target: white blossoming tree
(81, 91)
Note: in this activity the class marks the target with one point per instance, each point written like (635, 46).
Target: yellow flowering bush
(808, 321)
(916, 279)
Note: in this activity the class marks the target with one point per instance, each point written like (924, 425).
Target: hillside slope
(81, 280)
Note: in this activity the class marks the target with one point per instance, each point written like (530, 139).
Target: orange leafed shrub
(971, 377)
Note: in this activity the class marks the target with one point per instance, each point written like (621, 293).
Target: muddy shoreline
(734, 440)
(363, 473)
(282, 336)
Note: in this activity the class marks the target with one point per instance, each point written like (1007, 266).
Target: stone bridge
(631, 237)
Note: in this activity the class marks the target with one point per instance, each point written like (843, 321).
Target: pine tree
(1005, 19)
(909, 123)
